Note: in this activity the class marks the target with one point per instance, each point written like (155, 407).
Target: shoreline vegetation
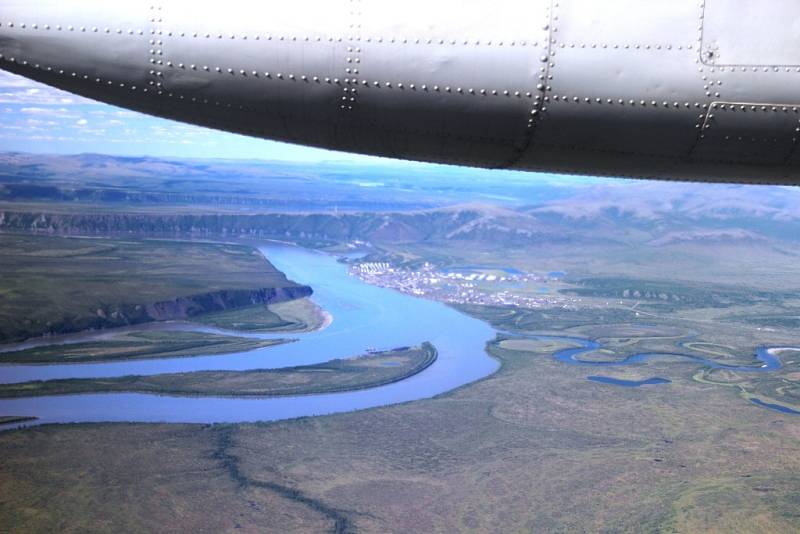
(294, 316)
(298, 315)
(362, 372)
(138, 345)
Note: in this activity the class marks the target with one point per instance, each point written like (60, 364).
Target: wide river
(364, 317)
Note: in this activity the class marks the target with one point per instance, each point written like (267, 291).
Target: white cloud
(18, 90)
(12, 80)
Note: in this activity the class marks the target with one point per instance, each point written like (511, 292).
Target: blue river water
(571, 356)
(364, 317)
(629, 383)
(773, 406)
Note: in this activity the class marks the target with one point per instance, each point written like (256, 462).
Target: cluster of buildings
(463, 287)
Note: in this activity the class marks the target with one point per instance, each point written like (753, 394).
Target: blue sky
(38, 118)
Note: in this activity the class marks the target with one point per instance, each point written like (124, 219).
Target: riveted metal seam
(156, 51)
(349, 94)
(536, 114)
(701, 125)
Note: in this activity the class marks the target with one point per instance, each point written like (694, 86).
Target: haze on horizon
(37, 118)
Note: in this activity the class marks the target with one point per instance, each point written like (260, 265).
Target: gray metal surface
(678, 89)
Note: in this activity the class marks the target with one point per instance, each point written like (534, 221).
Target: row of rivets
(156, 51)
(82, 29)
(293, 38)
(535, 111)
(151, 90)
(353, 59)
(624, 102)
(703, 121)
(62, 72)
(547, 65)
(375, 84)
(353, 37)
(626, 46)
(755, 107)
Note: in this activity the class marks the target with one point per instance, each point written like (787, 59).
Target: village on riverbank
(492, 287)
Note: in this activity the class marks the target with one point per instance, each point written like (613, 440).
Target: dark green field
(138, 346)
(57, 284)
(330, 377)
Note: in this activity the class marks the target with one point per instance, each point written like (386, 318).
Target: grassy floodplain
(535, 447)
(138, 346)
(329, 377)
(58, 284)
(300, 315)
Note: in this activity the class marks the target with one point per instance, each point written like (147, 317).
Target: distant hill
(489, 225)
(661, 208)
(325, 204)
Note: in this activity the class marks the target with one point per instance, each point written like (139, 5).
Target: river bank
(367, 319)
(363, 372)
